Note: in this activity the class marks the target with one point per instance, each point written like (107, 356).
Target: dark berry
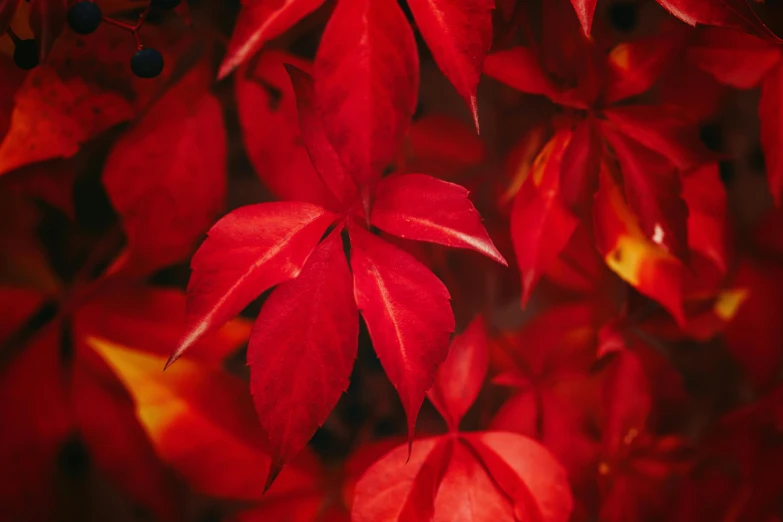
(84, 17)
(165, 4)
(26, 54)
(147, 63)
(623, 15)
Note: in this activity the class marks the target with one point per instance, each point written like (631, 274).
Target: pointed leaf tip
(275, 467)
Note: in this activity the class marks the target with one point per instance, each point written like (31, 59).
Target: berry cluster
(83, 18)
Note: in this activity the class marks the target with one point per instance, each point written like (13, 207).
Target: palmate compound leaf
(166, 176)
(247, 252)
(475, 477)
(461, 375)
(407, 312)
(302, 350)
(366, 79)
(459, 34)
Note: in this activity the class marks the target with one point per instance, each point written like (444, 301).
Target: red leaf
(631, 255)
(467, 493)
(420, 207)
(635, 66)
(302, 350)
(459, 34)
(322, 155)
(260, 21)
(461, 375)
(106, 412)
(152, 319)
(53, 117)
(654, 192)
(736, 14)
(732, 57)
(47, 20)
(527, 473)
(705, 195)
(585, 10)
(367, 80)
(482, 477)
(540, 224)
(401, 486)
(268, 116)
(442, 146)
(661, 129)
(771, 114)
(579, 168)
(520, 69)
(33, 400)
(627, 394)
(408, 315)
(755, 334)
(247, 252)
(167, 175)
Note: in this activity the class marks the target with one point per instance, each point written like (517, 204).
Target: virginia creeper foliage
(391, 261)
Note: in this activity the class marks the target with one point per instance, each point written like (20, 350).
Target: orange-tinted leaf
(461, 375)
(635, 66)
(202, 423)
(122, 451)
(631, 255)
(654, 192)
(420, 207)
(367, 79)
(540, 224)
(299, 371)
(167, 175)
(458, 33)
(53, 117)
(408, 314)
(247, 252)
(152, 320)
(260, 21)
